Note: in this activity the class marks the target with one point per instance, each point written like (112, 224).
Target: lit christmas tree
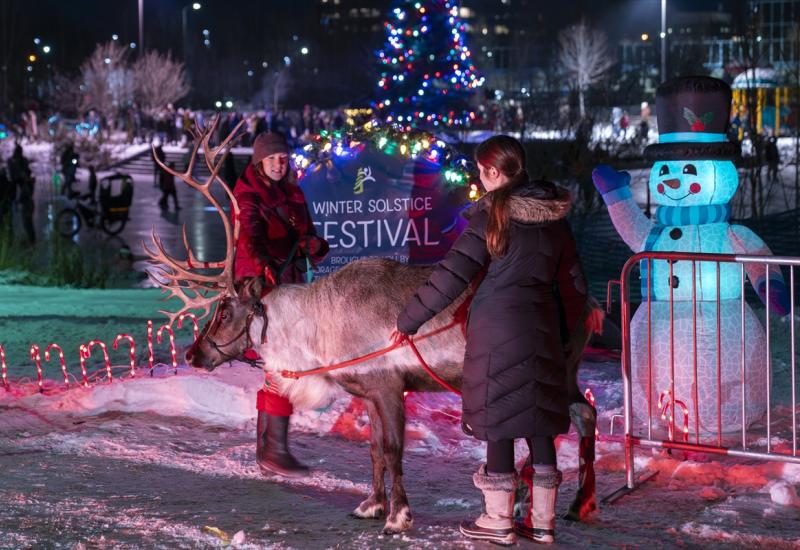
(427, 74)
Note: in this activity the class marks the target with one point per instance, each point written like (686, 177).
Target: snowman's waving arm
(628, 219)
(744, 241)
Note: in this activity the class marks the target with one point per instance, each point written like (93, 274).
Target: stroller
(111, 214)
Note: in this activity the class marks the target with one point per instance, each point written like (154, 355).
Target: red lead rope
(384, 351)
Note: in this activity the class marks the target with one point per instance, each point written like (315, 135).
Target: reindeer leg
(392, 411)
(375, 504)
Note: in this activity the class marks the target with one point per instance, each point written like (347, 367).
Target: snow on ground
(167, 461)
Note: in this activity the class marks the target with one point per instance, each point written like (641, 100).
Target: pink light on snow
(171, 344)
(132, 343)
(3, 366)
(60, 359)
(107, 362)
(37, 358)
(195, 326)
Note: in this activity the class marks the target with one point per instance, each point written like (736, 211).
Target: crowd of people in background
(173, 125)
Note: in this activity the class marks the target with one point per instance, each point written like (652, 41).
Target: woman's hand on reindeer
(398, 337)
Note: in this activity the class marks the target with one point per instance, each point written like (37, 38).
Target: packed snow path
(102, 467)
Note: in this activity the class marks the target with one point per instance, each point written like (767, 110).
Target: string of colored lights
(406, 142)
(426, 69)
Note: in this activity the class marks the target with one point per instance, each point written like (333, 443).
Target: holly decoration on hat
(697, 124)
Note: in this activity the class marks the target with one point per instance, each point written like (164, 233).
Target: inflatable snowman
(693, 180)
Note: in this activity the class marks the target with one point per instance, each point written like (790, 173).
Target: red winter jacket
(272, 218)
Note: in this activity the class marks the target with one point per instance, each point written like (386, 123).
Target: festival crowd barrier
(704, 357)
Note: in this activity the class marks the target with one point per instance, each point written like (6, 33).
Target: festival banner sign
(371, 203)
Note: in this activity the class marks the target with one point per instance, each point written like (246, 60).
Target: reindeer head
(227, 336)
(200, 284)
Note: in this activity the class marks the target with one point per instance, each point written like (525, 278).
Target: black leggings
(500, 454)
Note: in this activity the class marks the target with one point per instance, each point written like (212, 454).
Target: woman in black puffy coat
(514, 378)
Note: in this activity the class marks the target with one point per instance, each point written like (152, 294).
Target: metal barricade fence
(718, 376)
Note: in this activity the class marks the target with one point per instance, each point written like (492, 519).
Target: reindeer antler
(197, 290)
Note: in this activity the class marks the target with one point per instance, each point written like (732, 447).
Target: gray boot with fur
(540, 526)
(496, 523)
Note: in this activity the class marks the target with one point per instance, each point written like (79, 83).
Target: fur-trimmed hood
(530, 203)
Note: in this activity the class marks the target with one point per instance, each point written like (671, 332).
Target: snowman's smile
(675, 184)
(675, 198)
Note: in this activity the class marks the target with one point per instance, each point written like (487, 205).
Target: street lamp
(184, 18)
(663, 40)
(46, 49)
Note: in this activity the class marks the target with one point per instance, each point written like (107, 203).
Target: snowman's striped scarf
(692, 215)
(672, 216)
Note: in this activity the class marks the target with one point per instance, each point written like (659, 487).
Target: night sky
(72, 28)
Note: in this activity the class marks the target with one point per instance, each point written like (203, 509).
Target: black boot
(272, 449)
(584, 418)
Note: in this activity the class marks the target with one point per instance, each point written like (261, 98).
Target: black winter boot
(584, 418)
(272, 448)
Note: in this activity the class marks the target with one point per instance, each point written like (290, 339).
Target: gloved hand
(606, 179)
(313, 246)
(779, 301)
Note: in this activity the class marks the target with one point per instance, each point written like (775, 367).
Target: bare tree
(584, 57)
(158, 80)
(275, 87)
(106, 81)
(66, 94)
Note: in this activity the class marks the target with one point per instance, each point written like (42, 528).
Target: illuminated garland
(410, 143)
(425, 66)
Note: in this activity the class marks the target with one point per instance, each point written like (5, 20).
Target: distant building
(510, 44)
(778, 29)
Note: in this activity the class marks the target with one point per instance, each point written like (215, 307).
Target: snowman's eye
(690, 169)
(664, 170)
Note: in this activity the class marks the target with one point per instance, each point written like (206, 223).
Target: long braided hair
(507, 155)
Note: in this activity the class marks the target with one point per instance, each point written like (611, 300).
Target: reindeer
(296, 328)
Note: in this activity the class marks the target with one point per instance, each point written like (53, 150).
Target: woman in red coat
(277, 241)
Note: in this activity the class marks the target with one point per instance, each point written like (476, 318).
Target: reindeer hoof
(398, 522)
(368, 510)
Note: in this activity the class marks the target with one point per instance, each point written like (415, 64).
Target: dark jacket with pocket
(514, 377)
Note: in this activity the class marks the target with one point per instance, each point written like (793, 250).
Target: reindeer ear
(253, 288)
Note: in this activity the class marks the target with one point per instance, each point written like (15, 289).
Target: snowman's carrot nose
(673, 183)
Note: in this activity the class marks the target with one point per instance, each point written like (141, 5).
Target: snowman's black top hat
(693, 115)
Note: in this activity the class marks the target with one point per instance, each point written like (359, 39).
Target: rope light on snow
(171, 344)
(37, 359)
(60, 359)
(85, 352)
(105, 356)
(664, 401)
(132, 343)
(150, 346)
(195, 326)
(3, 366)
